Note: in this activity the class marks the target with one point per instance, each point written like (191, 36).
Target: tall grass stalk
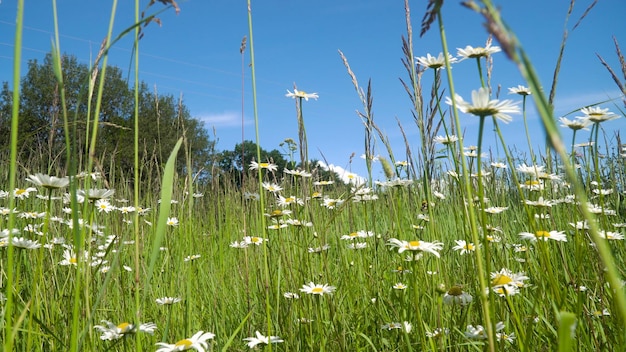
(469, 210)
(514, 50)
(266, 268)
(11, 326)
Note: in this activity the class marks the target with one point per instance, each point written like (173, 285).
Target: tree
(162, 120)
(234, 162)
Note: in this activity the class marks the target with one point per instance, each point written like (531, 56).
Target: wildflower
(296, 222)
(495, 210)
(435, 62)
(597, 115)
(254, 240)
(473, 53)
(291, 295)
(317, 289)
(300, 94)
(21, 242)
(521, 90)
(530, 170)
(544, 235)
(319, 249)
(277, 225)
(173, 221)
(115, 332)
(31, 215)
(402, 163)
(323, 183)
(251, 196)
(283, 202)
(272, 187)
(456, 295)
(103, 205)
(400, 270)
(164, 301)
(464, 247)
(260, 339)
(439, 195)
(610, 235)
(278, 213)
(399, 286)
(600, 313)
(142, 211)
(71, 258)
(237, 244)
(197, 342)
(576, 124)
(126, 210)
(22, 193)
(540, 203)
(357, 245)
(193, 257)
(430, 247)
(499, 165)
(505, 290)
(406, 326)
(604, 192)
(358, 234)
(398, 182)
(49, 182)
(268, 166)
(482, 106)
(505, 337)
(445, 140)
(297, 173)
(438, 332)
(506, 277)
(331, 203)
(478, 332)
(95, 194)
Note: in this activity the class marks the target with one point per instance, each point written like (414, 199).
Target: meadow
(453, 251)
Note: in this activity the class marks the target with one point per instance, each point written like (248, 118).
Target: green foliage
(163, 119)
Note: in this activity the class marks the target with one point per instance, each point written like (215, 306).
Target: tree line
(163, 119)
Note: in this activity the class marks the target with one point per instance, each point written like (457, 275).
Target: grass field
(453, 253)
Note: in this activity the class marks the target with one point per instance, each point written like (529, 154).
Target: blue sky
(196, 54)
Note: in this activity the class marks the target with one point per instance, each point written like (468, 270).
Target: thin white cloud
(346, 176)
(568, 103)
(222, 119)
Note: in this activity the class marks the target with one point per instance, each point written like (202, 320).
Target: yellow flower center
(256, 239)
(469, 247)
(264, 165)
(277, 213)
(353, 234)
(184, 343)
(532, 183)
(455, 291)
(123, 327)
(414, 243)
(350, 176)
(501, 280)
(20, 191)
(317, 290)
(73, 260)
(399, 269)
(289, 200)
(542, 234)
(316, 195)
